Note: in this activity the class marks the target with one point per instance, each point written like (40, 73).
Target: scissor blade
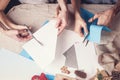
(37, 40)
(86, 43)
(34, 36)
(85, 37)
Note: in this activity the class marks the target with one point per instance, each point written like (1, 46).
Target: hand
(104, 18)
(79, 25)
(16, 34)
(62, 20)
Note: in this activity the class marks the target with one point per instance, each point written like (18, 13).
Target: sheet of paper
(95, 33)
(65, 40)
(87, 58)
(43, 55)
(16, 67)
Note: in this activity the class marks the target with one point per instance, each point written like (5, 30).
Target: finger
(79, 31)
(29, 27)
(29, 37)
(85, 29)
(58, 23)
(60, 29)
(93, 18)
(21, 39)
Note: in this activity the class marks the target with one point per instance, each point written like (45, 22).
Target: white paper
(16, 67)
(87, 59)
(43, 55)
(53, 60)
(65, 40)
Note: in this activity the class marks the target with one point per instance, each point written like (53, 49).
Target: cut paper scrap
(95, 33)
(25, 54)
(94, 29)
(43, 55)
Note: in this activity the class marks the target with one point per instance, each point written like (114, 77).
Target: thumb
(93, 18)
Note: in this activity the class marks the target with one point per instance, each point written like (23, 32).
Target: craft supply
(64, 69)
(34, 36)
(80, 74)
(41, 77)
(36, 77)
(115, 75)
(85, 39)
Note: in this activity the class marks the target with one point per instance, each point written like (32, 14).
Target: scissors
(34, 36)
(85, 39)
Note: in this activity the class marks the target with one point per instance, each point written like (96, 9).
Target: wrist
(63, 5)
(64, 9)
(77, 16)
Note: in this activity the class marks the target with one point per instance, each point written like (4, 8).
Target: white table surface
(16, 67)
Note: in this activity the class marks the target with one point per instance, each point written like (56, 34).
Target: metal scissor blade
(85, 39)
(34, 36)
(87, 43)
(37, 40)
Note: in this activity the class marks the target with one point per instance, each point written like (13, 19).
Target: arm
(79, 22)
(9, 28)
(63, 5)
(3, 18)
(62, 16)
(76, 7)
(105, 17)
(3, 4)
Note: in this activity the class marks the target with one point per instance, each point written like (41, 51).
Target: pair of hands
(19, 33)
(104, 18)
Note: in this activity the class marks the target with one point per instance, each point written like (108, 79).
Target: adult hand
(104, 18)
(79, 26)
(62, 19)
(19, 35)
